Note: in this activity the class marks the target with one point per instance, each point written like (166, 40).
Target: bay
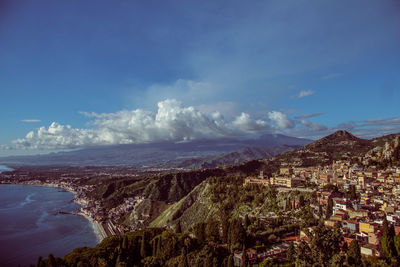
(31, 225)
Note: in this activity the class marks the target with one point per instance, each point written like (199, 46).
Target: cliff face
(160, 192)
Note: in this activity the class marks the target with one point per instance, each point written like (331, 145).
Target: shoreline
(97, 228)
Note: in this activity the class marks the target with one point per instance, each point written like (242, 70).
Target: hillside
(337, 146)
(232, 158)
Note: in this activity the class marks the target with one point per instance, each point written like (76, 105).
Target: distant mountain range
(193, 154)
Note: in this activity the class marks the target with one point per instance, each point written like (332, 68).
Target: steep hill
(342, 142)
(337, 146)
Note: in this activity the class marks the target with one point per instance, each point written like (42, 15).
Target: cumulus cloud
(30, 120)
(246, 123)
(55, 136)
(304, 93)
(281, 120)
(171, 122)
(227, 108)
(5, 147)
(174, 122)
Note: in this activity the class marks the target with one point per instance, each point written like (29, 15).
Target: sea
(4, 168)
(31, 225)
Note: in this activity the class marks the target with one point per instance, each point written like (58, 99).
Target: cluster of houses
(129, 204)
(340, 173)
(258, 254)
(107, 219)
(360, 219)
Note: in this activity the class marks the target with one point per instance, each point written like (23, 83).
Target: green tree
(388, 247)
(301, 201)
(320, 211)
(338, 260)
(354, 254)
(212, 231)
(303, 255)
(353, 193)
(237, 234)
(184, 260)
(269, 262)
(329, 209)
(125, 242)
(40, 262)
(345, 247)
(246, 221)
(307, 216)
(178, 228)
(225, 230)
(323, 245)
(200, 232)
(52, 260)
(397, 243)
(143, 250)
(290, 254)
(230, 261)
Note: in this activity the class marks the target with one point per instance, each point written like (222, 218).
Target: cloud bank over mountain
(171, 122)
(174, 122)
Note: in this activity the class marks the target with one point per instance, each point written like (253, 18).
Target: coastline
(97, 228)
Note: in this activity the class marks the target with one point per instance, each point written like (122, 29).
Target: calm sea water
(4, 168)
(30, 226)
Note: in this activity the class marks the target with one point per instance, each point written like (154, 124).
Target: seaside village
(360, 220)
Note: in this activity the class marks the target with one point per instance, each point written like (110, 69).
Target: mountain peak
(340, 137)
(340, 141)
(341, 134)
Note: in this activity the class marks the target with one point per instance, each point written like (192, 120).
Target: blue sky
(82, 73)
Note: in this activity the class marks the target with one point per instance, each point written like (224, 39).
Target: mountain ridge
(156, 154)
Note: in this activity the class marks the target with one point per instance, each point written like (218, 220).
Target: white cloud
(281, 120)
(30, 120)
(171, 122)
(5, 147)
(174, 122)
(304, 93)
(246, 123)
(227, 109)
